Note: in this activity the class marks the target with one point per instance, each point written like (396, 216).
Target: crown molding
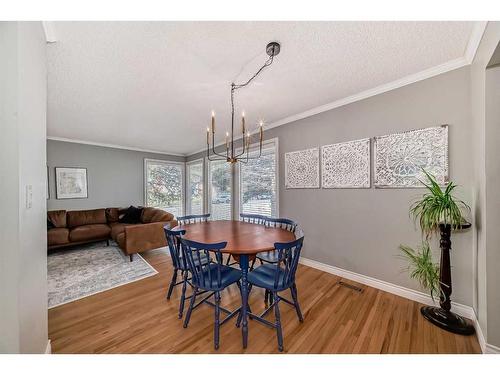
(71, 140)
(428, 73)
(470, 52)
(475, 39)
(413, 78)
(50, 32)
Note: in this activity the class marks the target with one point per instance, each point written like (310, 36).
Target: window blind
(220, 182)
(164, 185)
(194, 184)
(258, 183)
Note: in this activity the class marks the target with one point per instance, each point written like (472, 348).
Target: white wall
(483, 291)
(23, 276)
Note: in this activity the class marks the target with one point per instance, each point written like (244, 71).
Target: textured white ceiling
(152, 85)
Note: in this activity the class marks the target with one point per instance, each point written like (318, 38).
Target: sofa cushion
(132, 215)
(112, 214)
(57, 218)
(154, 215)
(89, 232)
(57, 236)
(117, 228)
(86, 217)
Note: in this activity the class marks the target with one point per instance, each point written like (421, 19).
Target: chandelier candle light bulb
(213, 122)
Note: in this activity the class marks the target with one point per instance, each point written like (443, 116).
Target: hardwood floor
(136, 318)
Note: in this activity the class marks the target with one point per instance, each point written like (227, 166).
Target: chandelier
(231, 155)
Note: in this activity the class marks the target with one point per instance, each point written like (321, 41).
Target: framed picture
(71, 183)
(346, 165)
(302, 169)
(401, 157)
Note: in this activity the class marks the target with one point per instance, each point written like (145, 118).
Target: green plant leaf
(422, 268)
(437, 207)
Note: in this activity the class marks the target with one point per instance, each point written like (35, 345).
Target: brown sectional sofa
(79, 227)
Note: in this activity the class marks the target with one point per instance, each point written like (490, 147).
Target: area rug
(91, 269)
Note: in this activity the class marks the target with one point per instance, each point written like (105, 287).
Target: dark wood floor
(136, 318)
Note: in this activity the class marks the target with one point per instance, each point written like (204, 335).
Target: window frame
(188, 196)
(209, 187)
(165, 162)
(255, 147)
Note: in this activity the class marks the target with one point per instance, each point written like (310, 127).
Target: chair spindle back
(194, 252)
(254, 219)
(282, 223)
(174, 246)
(192, 219)
(288, 260)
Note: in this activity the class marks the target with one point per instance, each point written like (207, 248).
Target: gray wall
(360, 229)
(115, 176)
(23, 253)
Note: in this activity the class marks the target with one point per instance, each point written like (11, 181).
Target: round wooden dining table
(243, 240)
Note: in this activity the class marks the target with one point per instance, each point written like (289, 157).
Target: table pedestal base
(244, 298)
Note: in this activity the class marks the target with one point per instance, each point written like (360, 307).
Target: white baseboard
(48, 348)
(401, 291)
(491, 349)
(480, 336)
(414, 295)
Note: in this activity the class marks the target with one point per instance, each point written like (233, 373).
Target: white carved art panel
(346, 164)
(302, 169)
(400, 158)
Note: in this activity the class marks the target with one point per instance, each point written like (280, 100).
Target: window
(164, 185)
(219, 184)
(194, 184)
(258, 192)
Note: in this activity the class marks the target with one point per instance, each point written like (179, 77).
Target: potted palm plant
(437, 211)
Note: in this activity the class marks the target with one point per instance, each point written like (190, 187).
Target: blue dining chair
(282, 223)
(179, 264)
(213, 277)
(192, 219)
(272, 256)
(252, 219)
(287, 224)
(277, 278)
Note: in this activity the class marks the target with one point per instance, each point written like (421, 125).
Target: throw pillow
(132, 216)
(50, 225)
